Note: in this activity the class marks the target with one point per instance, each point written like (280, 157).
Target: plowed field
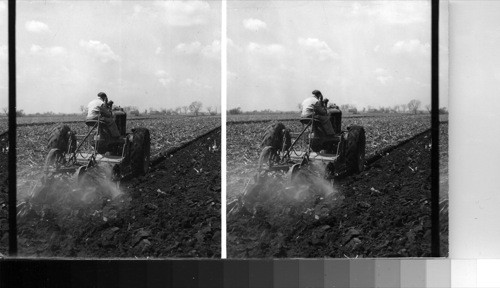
(173, 211)
(381, 212)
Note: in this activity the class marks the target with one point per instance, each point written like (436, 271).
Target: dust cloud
(66, 192)
(308, 187)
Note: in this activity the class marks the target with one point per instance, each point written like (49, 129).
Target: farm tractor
(342, 153)
(125, 156)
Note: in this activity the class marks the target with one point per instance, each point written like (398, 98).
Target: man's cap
(102, 94)
(316, 92)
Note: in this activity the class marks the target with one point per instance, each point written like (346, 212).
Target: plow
(293, 155)
(94, 160)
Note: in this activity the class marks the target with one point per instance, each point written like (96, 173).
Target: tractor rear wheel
(278, 137)
(140, 151)
(62, 138)
(355, 154)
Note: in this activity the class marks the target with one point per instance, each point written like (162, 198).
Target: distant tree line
(195, 108)
(412, 107)
(237, 111)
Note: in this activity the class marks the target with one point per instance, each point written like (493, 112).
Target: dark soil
(382, 212)
(173, 211)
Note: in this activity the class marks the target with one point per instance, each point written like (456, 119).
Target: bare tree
(212, 110)
(185, 109)
(413, 105)
(428, 107)
(396, 108)
(5, 111)
(84, 109)
(195, 107)
(153, 111)
(20, 113)
(403, 107)
(344, 107)
(178, 110)
(234, 111)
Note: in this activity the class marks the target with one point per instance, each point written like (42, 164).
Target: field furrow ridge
(158, 158)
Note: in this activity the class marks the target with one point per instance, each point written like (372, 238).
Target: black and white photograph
(118, 128)
(329, 130)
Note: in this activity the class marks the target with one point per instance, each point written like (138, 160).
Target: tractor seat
(91, 123)
(307, 120)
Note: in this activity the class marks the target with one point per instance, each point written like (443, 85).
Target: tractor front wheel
(355, 154)
(140, 151)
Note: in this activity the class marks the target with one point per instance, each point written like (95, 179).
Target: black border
(12, 130)
(435, 229)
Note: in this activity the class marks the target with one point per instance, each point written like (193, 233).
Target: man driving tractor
(100, 109)
(314, 106)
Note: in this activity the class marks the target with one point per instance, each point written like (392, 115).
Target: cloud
(35, 48)
(48, 51)
(269, 50)
(163, 77)
(394, 12)
(384, 79)
(254, 24)
(3, 6)
(232, 45)
(212, 50)
(36, 26)
(416, 82)
(383, 76)
(185, 13)
(191, 48)
(194, 84)
(99, 50)
(158, 51)
(411, 46)
(319, 48)
(56, 50)
(137, 10)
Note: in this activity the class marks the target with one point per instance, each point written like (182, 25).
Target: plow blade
(83, 158)
(292, 172)
(298, 156)
(78, 176)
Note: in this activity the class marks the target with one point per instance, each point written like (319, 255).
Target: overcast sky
(358, 52)
(160, 54)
